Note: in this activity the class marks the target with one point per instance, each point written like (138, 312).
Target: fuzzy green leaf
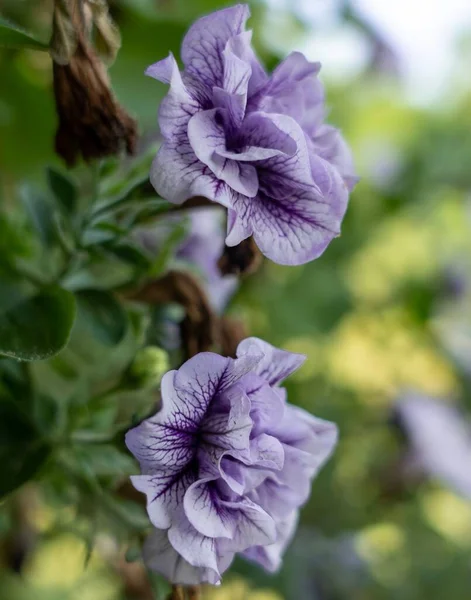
(38, 326)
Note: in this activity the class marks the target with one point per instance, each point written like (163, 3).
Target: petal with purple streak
(207, 138)
(270, 556)
(197, 549)
(206, 374)
(242, 521)
(159, 555)
(203, 45)
(165, 492)
(276, 364)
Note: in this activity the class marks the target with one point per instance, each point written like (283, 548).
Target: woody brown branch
(198, 327)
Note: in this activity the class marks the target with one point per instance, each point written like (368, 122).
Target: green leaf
(64, 190)
(49, 415)
(38, 326)
(42, 215)
(131, 254)
(128, 513)
(13, 36)
(105, 460)
(102, 233)
(103, 314)
(125, 193)
(101, 271)
(22, 453)
(169, 247)
(145, 210)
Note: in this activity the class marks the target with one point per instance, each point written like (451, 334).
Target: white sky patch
(424, 34)
(343, 52)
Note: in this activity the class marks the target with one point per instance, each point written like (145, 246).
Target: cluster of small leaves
(78, 362)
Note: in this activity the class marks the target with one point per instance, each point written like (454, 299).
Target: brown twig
(177, 593)
(198, 327)
(194, 592)
(231, 332)
(135, 580)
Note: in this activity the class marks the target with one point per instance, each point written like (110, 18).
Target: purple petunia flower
(226, 463)
(439, 438)
(253, 143)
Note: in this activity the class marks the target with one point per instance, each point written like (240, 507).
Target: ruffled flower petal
(276, 364)
(203, 45)
(226, 463)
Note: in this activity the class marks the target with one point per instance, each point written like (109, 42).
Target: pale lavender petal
(293, 231)
(205, 512)
(165, 492)
(250, 524)
(276, 364)
(277, 499)
(267, 406)
(233, 474)
(266, 455)
(156, 445)
(295, 215)
(266, 451)
(310, 434)
(261, 138)
(308, 442)
(270, 556)
(241, 47)
(237, 71)
(166, 439)
(163, 70)
(178, 175)
(293, 69)
(160, 556)
(207, 138)
(206, 374)
(288, 74)
(277, 133)
(239, 227)
(331, 146)
(203, 45)
(440, 439)
(178, 105)
(332, 186)
(294, 89)
(228, 432)
(195, 548)
(233, 106)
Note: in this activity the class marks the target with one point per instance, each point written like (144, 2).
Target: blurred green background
(384, 310)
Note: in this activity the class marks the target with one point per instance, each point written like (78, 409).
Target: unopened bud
(149, 366)
(243, 259)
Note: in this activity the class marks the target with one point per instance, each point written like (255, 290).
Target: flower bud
(149, 366)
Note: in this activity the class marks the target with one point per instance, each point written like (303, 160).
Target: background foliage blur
(386, 310)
